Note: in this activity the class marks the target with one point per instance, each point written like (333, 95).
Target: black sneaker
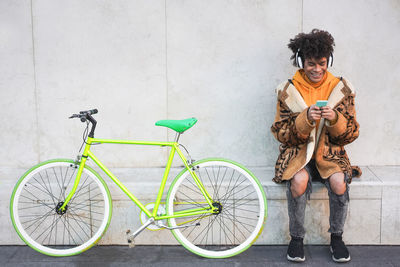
(295, 250)
(338, 249)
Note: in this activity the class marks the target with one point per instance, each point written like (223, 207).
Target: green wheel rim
(259, 186)
(43, 164)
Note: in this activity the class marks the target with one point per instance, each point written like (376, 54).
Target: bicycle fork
(82, 161)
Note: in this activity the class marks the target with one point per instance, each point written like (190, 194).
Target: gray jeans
(338, 205)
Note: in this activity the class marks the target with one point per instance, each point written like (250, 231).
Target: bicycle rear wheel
(240, 198)
(36, 217)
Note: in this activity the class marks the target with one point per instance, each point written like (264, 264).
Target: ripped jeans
(338, 205)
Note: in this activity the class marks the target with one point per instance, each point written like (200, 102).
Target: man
(312, 138)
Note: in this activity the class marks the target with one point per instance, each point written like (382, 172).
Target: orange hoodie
(311, 92)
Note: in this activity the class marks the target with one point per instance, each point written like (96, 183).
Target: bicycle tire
(34, 201)
(243, 209)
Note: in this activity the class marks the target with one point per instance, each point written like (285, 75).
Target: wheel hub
(58, 208)
(217, 207)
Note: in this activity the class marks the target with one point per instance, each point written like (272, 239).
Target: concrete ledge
(373, 218)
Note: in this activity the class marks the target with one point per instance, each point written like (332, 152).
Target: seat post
(177, 137)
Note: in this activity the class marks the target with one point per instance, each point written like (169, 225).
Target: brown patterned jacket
(299, 139)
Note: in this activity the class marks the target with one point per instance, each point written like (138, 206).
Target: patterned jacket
(299, 139)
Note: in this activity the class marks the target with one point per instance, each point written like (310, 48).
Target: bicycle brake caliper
(190, 163)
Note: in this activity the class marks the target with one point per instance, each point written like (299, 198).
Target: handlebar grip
(93, 111)
(89, 112)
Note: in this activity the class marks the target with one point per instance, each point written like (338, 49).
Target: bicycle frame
(174, 148)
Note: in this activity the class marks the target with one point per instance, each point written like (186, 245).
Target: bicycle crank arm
(131, 238)
(179, 226)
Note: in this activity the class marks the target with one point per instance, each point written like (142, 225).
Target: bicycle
(215, 207)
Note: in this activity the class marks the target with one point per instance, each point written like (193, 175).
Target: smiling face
(315, 68)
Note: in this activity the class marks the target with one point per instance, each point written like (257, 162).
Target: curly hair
(316, 44)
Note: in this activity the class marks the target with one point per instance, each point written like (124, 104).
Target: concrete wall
(140, 61)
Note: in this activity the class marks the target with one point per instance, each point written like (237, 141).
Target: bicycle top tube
(91, 141)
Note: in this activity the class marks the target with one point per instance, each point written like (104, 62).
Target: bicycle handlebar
(87, 115)
(83, 115)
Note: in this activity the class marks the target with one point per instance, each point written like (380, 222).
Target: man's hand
(314, 113)
(328, 113)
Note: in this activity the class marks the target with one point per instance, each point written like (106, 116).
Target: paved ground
(177, 256)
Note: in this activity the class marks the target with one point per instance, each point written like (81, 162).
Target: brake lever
(74, 116)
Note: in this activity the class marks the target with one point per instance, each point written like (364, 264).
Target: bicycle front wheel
(242, 209)
(35, 210)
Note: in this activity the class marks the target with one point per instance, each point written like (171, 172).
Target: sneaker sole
(296, 259)
(341, 259)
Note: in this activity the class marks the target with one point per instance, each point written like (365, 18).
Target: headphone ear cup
(299, 61)
(330, 60)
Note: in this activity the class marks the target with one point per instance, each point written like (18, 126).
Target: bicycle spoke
(228, 194)
(39, 189)
(206, 234)
(75, 209)
(210, 227)
(36, 217)
(78, 222)
(212, 184)
(40, 224)
(76, 194)
(64, 179)
(235, 235)
(227, 228)
(69, 232)
(55, 222)
(194, 201)
(45, 187)
(54, 218)
(216, 180)
(246, 210)
(70, 178)
(73, 229)
(40, 217)
(222, 179)
(231, 217)
(58, 183)
(190, 188)
(85, 199)
(34, 199)
(244, 203)
(197, 220)
(31, 203)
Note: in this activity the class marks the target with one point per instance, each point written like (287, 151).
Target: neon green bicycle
(215, 208)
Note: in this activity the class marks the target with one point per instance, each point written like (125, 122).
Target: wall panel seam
(37, 144)
(166, 72)
(302, 16)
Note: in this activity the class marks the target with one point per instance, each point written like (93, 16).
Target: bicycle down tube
(174, 148)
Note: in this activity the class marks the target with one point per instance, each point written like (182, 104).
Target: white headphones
(299, 60)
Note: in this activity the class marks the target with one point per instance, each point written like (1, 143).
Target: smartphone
(321, 103)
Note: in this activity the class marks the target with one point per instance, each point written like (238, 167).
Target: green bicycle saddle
(178, 125)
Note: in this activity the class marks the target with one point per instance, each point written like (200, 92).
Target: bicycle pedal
(130, 239)
(131, 243)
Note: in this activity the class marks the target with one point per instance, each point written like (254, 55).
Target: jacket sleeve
(291, 128)
(346, 128)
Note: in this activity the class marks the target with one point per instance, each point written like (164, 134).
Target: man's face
(315, 68)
